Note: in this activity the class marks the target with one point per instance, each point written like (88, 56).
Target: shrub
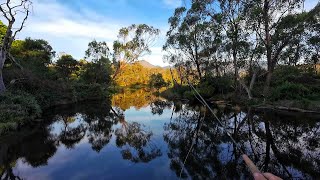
(220, 85)
(290, 91)
(285, 73)
(189, 95)
(157, 81)
(89, 91)
(16, 109)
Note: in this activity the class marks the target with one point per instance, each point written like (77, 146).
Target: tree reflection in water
(70, 135)
(92, 122)
(33, 146)
(134, 141)
(286, 145)
(283, 145)
(159, 105)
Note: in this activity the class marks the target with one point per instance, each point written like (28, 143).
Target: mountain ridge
(148, 65)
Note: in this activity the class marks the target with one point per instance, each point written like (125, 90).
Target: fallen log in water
(283, 108)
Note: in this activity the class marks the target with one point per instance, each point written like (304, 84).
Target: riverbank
(230, 99)
(291, 88)
(19, 108)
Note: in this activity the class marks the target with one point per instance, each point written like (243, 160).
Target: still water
(136, 135)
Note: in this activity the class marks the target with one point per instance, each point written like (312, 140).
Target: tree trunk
(199, 70)
(2, 59)
(217, 70)
(2, 86)
(249, 89)
(246, 88)
(119, 69)
(173, 80)
(268, 47)
(253, 79)
(236, 73)
(267, 84)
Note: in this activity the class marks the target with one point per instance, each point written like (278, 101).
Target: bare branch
(4, 12)
(14, 60)
(22, 24)
(10, 12)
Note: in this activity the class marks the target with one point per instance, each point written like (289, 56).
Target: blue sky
(69, 25)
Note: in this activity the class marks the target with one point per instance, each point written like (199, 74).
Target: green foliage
(17, 109)
(189, 95)
(97, 72)
(66, 66)
(285, 73)
(205, 90)
(134, 41)
(97, 50)
(290, 91)
(176, 92)
(221, 85)
(137, 86)
(157, 81)
(83, 91)
(33, 54)
(3, 30)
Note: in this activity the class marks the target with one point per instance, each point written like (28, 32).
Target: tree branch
(14, 60)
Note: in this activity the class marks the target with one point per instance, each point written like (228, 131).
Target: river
(135, 135)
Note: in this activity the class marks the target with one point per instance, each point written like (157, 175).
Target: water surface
(136, 135)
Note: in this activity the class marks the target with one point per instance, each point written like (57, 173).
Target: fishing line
(192, 144)
(202, 101)
(246, 159)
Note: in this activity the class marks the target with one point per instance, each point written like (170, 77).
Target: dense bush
(157, 81)
(285, 73)
(290, 91)
(17, 109)
(207, 89)
(83, 91)
(46, 91)
(221, 85)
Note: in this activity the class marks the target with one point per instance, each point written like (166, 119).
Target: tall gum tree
(186, 38)
(276, 24)
(10, 11)
(133, 42)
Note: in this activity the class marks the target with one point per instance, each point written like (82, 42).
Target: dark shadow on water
(287, 146)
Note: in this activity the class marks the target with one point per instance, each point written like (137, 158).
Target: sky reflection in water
(151, 139)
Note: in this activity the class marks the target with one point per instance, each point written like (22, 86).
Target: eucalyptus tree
(277, 24)
(98, 69)
(66, 65)
(236, 35)
(185, 38)
(133, 42)
(33, 54)
(313, 40)
(97, 50)
(10, 11)
(314, 48)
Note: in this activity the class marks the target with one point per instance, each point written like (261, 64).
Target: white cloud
(67, 27)
(69, 30)
(172, 3)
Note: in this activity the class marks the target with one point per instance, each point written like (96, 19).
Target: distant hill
(139, 73)
(146, 64)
